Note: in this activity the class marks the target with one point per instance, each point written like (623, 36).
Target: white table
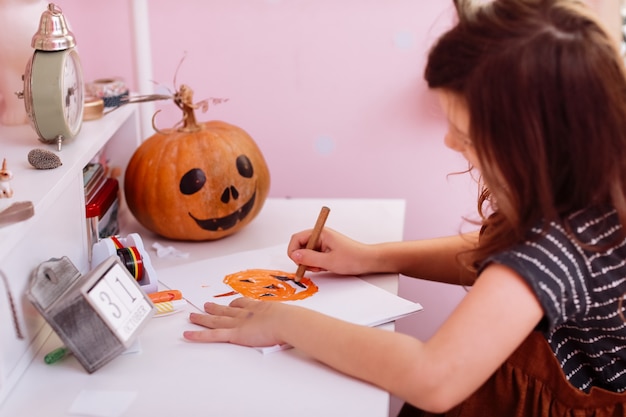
(171, 377)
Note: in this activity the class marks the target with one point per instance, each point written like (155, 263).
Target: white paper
(101, 403)
(347, 298)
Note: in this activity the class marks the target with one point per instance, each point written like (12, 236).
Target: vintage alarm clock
(53, 81)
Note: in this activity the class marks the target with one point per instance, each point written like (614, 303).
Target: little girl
(535, 96)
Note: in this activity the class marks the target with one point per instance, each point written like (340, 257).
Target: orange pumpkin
(202, 181)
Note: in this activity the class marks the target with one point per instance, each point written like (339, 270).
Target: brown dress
(531, 384)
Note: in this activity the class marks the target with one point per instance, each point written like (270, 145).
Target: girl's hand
(336, 253)
(243, 322)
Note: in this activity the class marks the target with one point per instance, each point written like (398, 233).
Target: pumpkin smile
(226, 222)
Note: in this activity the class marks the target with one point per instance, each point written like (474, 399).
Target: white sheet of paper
(101, 403)
(347, 298)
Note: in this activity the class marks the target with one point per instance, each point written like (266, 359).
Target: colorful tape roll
(112, 91)
(130, 257)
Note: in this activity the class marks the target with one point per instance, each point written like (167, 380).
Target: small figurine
(5, 178)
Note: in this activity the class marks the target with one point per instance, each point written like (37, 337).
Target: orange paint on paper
(226, 294)
(264, 284)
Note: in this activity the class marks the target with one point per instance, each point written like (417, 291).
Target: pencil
(313, 239)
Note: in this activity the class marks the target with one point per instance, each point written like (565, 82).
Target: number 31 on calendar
(120, 302)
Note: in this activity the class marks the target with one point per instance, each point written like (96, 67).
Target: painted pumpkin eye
(192, 181)
(244, 166)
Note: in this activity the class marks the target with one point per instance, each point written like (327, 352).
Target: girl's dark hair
(545, 88)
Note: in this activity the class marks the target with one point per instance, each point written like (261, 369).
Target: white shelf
(41, 187)
(58, 227)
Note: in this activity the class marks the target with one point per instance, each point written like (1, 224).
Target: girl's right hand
(336, 253)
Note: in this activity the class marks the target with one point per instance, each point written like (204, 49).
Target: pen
(313, 239)
(56, 355)
(169, 306)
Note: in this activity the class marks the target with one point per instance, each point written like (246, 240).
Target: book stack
(101, 204)
(93, 178)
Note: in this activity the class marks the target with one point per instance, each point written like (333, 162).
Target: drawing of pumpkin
(270, 285)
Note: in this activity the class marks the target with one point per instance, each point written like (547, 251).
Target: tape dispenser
(132, 254)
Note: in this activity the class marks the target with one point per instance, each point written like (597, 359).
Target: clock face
(72, 89)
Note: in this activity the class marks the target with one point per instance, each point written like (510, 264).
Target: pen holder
(98, 315)
(133, 255)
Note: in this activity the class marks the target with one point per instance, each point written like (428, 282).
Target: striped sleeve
(551, 265)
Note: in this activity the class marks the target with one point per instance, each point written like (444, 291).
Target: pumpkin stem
(184, 100)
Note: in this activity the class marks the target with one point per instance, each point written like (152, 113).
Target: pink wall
(332, 91)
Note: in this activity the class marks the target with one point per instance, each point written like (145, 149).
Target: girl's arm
(431, 259)
(494, 318)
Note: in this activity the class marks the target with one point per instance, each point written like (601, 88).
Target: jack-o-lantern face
(200, 185)
(194, 180)
(270, 285)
